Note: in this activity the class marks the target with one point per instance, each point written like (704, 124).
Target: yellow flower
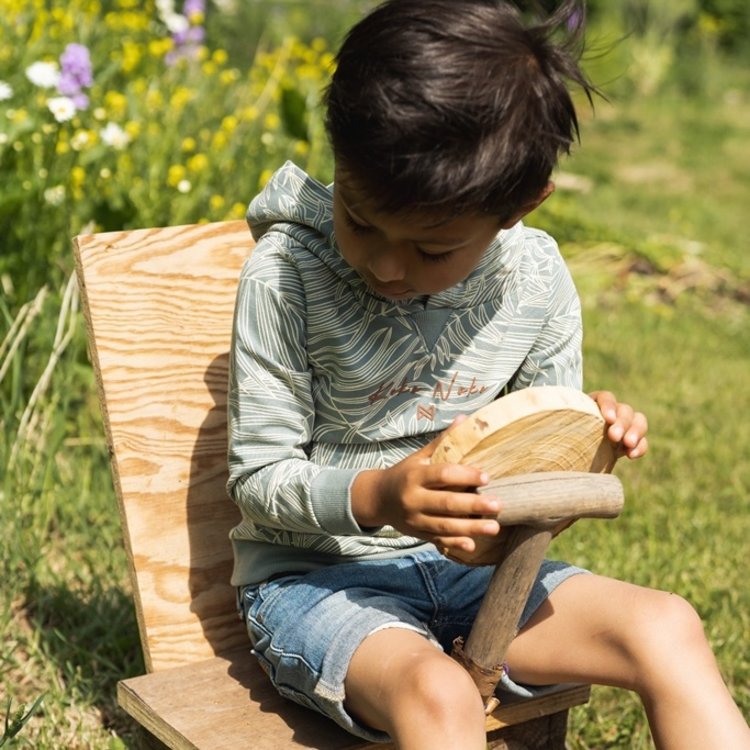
(272, 121)
(77, 179)
(237, 211)
(219, 140)
(77, 176)
(188, 144)
(197, 163)
(18, 116)
(127, 21)
(133, 129)
(159, 47)
(302, 148)
(131, 55)
(220, 57)
(181, 96)
(229, 123)
(175, 175)
(328, 62)
(116, 104)
(265, 176)
(228, 76)
(216, 202)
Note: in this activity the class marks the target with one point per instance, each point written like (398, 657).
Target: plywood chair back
(159, 306)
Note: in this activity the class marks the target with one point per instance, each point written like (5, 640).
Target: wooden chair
(158, 306)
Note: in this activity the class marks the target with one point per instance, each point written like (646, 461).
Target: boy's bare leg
(596, 629)
(401, 683)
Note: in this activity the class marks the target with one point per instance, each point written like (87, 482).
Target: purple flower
(80, 100)
(193, 6)
(188, 38)
(75, 74)
(75, 63)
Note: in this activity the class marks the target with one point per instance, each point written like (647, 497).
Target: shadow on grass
(91, 638)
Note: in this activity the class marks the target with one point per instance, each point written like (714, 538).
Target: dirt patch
(656, 173)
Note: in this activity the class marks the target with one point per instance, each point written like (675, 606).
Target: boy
(371, 315)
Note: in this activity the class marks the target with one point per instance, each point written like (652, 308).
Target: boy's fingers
(455, 475)
(607, 403)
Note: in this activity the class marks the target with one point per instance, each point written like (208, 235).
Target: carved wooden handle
(546, 498)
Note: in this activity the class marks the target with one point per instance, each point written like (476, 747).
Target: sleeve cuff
(330, 497)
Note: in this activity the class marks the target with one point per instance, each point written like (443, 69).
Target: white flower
(6, 92)
(54, 195)
(176, 23)
(113, 135)
(43, 74)
(79, 140)
(62, 108)
(184, 186)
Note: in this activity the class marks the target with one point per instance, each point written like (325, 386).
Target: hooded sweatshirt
(327, 378)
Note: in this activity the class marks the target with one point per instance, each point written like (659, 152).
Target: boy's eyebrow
(441, 222)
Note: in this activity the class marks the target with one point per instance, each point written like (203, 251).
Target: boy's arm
(271, 411)
(555, 358)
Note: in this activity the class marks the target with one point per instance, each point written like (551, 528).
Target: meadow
(181, 120)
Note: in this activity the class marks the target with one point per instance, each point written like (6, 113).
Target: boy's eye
(355, 227)
(434, 257)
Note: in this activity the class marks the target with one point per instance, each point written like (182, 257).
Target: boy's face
(407, 255)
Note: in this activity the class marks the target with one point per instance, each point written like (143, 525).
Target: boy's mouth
(391, 292)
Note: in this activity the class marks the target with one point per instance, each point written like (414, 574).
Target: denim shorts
(305, 628)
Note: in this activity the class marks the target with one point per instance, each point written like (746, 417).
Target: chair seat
(227, 702)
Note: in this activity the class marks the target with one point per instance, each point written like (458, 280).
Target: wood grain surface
(159, 305)
(552, 428)
(547, 429)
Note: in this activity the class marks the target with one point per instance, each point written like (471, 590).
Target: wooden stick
(496, 624)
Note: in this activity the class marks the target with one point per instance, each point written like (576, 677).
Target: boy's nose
(388, 264)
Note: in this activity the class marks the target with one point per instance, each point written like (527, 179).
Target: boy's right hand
(435, 502)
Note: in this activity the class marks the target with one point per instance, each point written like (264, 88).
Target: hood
(291, 197)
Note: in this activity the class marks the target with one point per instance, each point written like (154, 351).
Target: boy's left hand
(627, 427)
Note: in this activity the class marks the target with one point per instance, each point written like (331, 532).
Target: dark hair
(458, 105)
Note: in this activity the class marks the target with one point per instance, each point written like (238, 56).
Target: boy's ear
(527, 208)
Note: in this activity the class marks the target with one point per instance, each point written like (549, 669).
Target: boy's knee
(441, 690)
(668, 627)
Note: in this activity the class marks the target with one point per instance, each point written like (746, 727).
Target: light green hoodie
(327, 378)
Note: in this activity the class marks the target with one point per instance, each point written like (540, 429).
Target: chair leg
(147, 741)
(545, 733)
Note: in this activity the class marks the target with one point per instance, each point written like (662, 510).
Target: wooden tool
(548, 457)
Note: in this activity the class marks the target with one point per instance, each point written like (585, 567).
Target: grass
(664, 191)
